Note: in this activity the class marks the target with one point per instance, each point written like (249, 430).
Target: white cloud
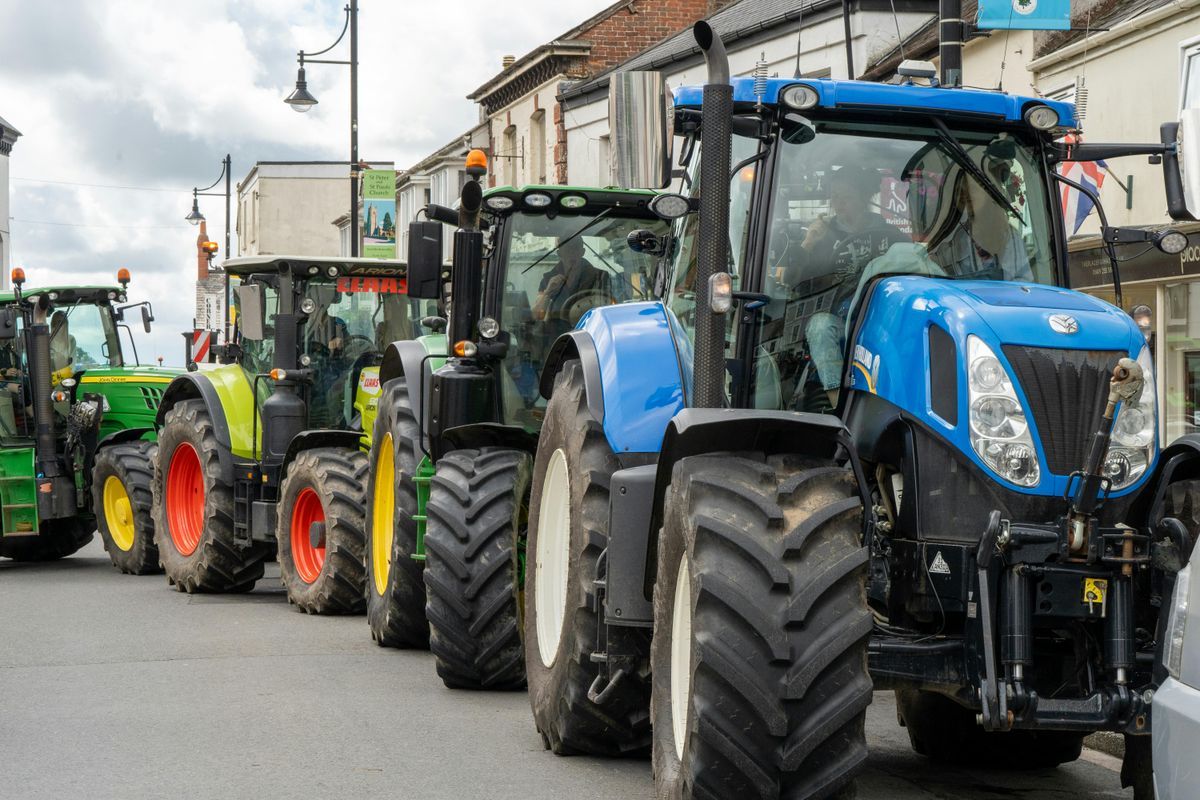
(146, 93)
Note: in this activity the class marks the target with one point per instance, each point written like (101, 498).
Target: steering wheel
(580, 303)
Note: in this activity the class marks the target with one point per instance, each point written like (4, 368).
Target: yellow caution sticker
(1094, 590)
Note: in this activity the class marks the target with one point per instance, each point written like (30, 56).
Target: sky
(152, 95)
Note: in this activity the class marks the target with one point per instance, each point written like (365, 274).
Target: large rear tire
(568, 530)
(759, 658)
(942, 730)
(324, 486)
(193, 508)
(57, 538)
(123, 497)
(478, 515)
(395, 589)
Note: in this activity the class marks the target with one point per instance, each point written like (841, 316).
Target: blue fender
(633, 373)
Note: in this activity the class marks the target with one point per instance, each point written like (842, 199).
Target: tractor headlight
(999, 429)
(1172, 654)
(1133, 432)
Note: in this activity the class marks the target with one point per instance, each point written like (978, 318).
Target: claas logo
(353, 285)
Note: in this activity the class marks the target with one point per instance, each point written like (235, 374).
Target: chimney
(507, 61)
(201, 256)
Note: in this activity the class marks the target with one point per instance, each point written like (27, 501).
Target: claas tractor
(76, 424)
(870, 440)
(264, 455)
(449, 504)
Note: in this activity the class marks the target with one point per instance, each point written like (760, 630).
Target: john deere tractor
(869, 440)
(265, 455)
(449, 503)
(76, 425)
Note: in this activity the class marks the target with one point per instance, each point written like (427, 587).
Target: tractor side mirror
(8, 323)
(424, 260)
(1181, 166)
(147, 318)
(641, 118)
(250, 311)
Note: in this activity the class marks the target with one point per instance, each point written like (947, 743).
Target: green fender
(226, 390)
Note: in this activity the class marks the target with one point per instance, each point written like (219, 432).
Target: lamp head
(194, 217)
(300, 99)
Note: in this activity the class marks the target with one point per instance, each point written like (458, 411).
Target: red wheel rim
(185, 499)
(308, 559)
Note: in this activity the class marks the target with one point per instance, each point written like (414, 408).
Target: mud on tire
(132, 466)
(193, 519)
(334, 581)
(558, 691)
(395, 589)
(477, 511)
(765, 692)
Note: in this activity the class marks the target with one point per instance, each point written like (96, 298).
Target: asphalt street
(117, 687)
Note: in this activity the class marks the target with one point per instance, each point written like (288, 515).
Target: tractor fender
(308, 440)
(490, 434)
(1180, 461)
(122, 436)
(196, 386)
(633, 371)
(696, 431)
(416, 361)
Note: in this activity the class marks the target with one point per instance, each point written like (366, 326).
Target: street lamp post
(302, 100)
(195, 217)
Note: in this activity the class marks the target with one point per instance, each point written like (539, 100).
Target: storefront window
(1179, 359)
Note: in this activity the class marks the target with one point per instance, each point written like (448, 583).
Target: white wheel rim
(681, 656)
(553, 556)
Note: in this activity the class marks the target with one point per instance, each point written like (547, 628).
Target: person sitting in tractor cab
(571, 281)
(62, 343)
(840, 246)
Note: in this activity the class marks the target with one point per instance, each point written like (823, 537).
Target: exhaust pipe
(708, 371)
(39, 375)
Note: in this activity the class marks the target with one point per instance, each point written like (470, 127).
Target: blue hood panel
(891, 352)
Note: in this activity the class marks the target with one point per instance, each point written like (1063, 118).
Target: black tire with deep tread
(780, 624)
(942, 730)
(217, 564)
(397, 617)
(338, 476)
(569, 722)
(472, 548)
(131, 463)
(57, 538)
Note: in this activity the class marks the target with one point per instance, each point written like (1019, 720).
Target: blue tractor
(868, 440)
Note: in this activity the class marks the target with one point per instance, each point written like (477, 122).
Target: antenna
(1081, 98)
(760, 80)
(799, 35)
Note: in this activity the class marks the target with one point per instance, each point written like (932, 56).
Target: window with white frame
(1189, 79)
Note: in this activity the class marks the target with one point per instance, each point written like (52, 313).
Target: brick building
(518, 105)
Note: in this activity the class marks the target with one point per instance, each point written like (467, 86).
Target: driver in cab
(571, 276)
(838, 248)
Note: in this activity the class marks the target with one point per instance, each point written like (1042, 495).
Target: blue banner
(1026, 15)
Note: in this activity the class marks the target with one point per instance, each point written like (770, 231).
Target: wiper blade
(548, 253)
(963, 159)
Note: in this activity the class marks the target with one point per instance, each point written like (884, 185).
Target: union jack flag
(1075, 204)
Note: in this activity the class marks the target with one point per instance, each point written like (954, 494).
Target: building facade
(8, 137)
(519, 106)
(437, 178)
(786, 36)
(293, 207)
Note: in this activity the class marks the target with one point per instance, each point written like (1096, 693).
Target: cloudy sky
(152, 95)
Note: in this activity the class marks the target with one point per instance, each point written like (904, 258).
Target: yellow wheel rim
(383, 514)
(118, 513)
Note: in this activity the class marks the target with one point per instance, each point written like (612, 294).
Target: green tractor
(449, 497)
(76, 425)
(265, 455)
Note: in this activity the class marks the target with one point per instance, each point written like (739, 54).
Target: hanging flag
(1077, 205)
(1026, 15)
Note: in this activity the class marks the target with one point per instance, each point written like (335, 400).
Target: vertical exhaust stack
(39, 376)
(708, 374)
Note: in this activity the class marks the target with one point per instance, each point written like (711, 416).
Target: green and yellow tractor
(76, 424)
(449, 496)
(265, 454)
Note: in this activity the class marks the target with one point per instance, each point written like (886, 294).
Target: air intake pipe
(39, 376)
(708, 372)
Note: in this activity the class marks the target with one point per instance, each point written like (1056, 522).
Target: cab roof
(303, 266)
(865, 95)
(631, 202)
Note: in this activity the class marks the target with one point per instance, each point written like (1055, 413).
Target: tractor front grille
(1066, 391)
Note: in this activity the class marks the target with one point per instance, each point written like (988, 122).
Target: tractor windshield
(354, 320)
(556, 269)
(83, 335)
(852, 202)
